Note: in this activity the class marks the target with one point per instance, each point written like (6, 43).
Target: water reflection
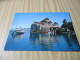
(42, 41)
(71, 41)
(48, 41)
(34, 38)
(45, 40)
(16, 36)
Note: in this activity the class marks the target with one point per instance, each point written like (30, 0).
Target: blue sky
(26, 19)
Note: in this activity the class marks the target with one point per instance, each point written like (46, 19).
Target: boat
(19, 30)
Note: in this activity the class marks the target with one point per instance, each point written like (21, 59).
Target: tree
(70, 26)
(64, 25)
(67, 25)
(64, 21)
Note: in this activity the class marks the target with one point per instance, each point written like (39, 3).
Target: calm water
(41, 42)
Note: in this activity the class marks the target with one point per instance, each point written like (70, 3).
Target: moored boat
(19, 30)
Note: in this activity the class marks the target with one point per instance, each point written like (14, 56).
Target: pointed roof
(49, 22)
(44, 20)
(55, 23)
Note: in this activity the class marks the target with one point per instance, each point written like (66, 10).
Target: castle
(45, 26)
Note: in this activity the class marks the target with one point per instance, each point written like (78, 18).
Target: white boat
(19, 30)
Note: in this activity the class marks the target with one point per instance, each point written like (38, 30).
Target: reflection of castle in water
(45, 40)
(16, 36)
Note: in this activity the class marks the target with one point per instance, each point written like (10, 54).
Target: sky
(25, 20)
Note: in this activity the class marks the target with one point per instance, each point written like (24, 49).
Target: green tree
(67, 25)
(64, 25)
(70, 26)
(64, 21)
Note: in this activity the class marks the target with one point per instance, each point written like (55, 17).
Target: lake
(41, 42)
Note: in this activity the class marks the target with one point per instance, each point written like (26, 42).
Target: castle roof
(55, 23)
(44, 20)
(49, 22)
